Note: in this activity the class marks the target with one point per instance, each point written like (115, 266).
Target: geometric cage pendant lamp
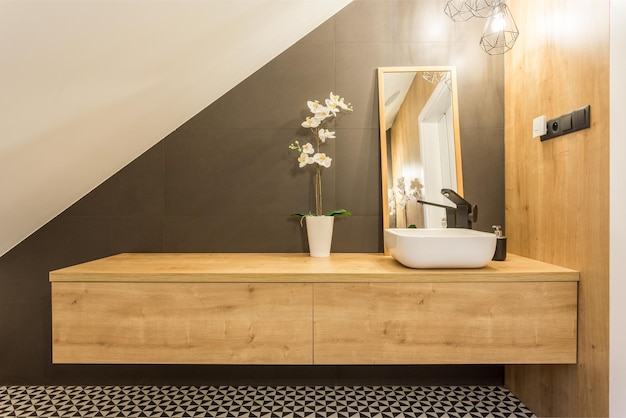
(458, 10)
(500, 32)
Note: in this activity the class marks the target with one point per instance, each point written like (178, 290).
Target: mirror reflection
(420, 143)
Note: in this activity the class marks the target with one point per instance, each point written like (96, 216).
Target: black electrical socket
(568, 123)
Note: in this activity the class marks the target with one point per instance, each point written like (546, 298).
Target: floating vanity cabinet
(296, 309)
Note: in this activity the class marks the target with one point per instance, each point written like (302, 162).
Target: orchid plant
(310, 154)
(401, 194)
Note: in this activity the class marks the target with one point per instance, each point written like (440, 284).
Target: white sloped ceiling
(87, 86)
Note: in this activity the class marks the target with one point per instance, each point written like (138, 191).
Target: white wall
(87, 86)
(617, 365)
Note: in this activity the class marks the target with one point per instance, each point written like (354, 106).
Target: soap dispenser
(500, 253)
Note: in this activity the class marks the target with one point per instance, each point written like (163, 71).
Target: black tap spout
(450, 212)
(466, 214)
(455, 198)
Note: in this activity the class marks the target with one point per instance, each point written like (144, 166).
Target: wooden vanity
(294, 309)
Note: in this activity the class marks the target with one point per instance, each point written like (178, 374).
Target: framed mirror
(420, 144)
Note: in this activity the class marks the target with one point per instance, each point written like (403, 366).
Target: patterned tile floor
(260, 401)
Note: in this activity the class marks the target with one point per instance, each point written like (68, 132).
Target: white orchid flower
(415, 189)
(314, 106)
(305, 159)
(311, 123)
(325, 134)
(392, 201)
(322, 113)
(308, 148)
(339, 101)
(322, 159)
(332, 107)
(400, 196)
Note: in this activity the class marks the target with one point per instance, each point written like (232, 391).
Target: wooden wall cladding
(557, 191)
(405, 144)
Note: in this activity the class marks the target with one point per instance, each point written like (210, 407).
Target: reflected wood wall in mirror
(420, 143)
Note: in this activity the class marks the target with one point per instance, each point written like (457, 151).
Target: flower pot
(319, 231)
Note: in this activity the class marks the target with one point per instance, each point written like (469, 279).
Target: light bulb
(498, 22)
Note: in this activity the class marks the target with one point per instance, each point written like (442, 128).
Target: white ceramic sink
(440, 248)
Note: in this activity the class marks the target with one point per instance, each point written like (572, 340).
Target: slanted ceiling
(87, 86)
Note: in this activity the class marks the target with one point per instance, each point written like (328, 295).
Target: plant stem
(318, 191)
(318, 177)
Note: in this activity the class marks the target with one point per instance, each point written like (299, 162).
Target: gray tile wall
(225, 181)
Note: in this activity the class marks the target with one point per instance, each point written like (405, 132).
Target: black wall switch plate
(568, 123)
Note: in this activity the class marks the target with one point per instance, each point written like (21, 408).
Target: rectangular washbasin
(440, 248)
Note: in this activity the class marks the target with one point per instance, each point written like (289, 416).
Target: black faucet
(450, 212)
(461, 216)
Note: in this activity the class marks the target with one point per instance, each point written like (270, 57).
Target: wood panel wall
(405, 146)
(557, 191)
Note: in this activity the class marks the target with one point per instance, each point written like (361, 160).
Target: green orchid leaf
(336, 212)
(302, 214)
(339, 212)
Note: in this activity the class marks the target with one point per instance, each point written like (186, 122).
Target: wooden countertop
(296, 268)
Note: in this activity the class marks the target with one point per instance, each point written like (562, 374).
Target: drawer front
(445, 323)
(182, 323)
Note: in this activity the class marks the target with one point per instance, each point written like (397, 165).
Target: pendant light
(481, 8)
(458, 10)
(500, 31)
(436, 77)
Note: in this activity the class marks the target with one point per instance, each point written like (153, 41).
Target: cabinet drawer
(445, 323)
(211, 323)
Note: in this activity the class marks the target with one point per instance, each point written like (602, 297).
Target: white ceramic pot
(319, 231)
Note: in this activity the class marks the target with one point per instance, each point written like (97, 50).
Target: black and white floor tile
(260, 401)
